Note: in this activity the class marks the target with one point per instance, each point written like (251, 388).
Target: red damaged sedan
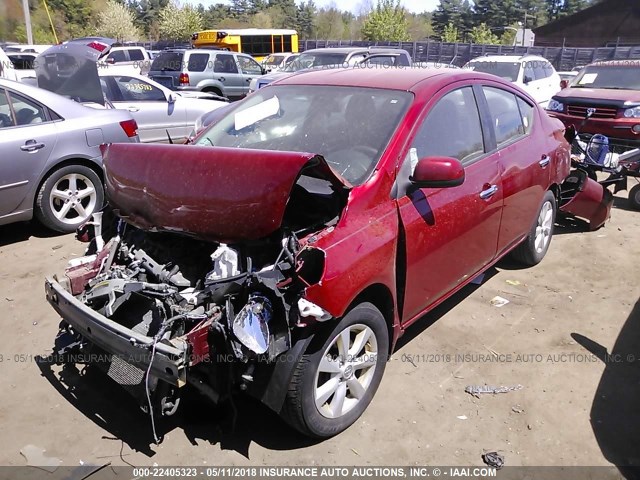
(286, 251)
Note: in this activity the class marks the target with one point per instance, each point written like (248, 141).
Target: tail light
(184, 79)
(130, 127)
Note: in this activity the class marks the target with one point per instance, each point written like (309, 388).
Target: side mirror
(564, 83)
(438, 172)
(570, 133)
(263, 70)
(111, 60)
(527, 79)
(171, 98)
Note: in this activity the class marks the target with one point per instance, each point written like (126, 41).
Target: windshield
(617, 77)
(506, 70)
(349, 126)
(273, 60)
(167, 61)
(310, 60)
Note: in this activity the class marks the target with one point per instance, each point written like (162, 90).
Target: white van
(6, 67)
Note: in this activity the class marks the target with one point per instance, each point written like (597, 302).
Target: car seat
(25, 116)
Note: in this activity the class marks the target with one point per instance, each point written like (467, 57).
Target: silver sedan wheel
(345, 371)
(73, 199)
(544, 227)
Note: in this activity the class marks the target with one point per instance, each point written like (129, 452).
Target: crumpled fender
(586, 198)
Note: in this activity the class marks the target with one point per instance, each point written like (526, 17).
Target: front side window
(349, 126)
(452, 128)
(249, 66)
(136, 90)
(505, 115)
(136, 55)
(118, 56)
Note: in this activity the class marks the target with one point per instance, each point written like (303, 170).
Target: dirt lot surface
(576, 406)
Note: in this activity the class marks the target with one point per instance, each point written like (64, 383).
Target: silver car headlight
(555, 106)
(632, 112)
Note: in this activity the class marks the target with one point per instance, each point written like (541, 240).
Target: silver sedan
(50, 161)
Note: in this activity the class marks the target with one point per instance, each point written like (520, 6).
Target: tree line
(479, 21)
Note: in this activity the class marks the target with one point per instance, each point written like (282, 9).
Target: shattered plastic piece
(476, 390)
(462, 417)
(225, 263)
(493, 459)
(499, 301)
(310, 309)
(250, 325)
(512, 282)
(517, 409)
(35, 458)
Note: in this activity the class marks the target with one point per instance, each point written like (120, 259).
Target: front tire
(68, 197)
(337, 377)
(634, 197)
(534, 247)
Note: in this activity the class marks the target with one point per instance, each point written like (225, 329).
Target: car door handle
(544, 161)
(222, 79)
(488, 192)
(31, 146)
(133, 109)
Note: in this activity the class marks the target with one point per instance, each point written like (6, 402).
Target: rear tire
(333, 385)
(534, 247)
(215, 91)
(68, 197)
(634, 197)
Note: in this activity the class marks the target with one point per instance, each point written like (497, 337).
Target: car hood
(212, 193)
(71, 70)
(604, 96)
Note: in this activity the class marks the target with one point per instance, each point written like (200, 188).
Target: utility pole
(524, 27)
(27, 21)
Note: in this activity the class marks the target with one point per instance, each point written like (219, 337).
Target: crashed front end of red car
(197, 274)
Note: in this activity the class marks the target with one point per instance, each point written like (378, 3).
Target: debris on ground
(476, 390)
(462, 417)
(499, 301)
(513, 282)
(35, 458)
(493, 459)
(517, 409)
(56, 247)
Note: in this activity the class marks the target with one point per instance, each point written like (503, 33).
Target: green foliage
(179, 22)
(483, 34)
(117, 21)
(450, 34)
(388, 21)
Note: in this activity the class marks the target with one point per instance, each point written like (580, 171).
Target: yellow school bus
(258, 42)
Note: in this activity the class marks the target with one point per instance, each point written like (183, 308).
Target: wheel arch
(380, 296)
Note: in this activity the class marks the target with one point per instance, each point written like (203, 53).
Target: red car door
(450, 233)
(523, 160)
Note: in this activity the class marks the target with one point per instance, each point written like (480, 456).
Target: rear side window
(6, 118)
(167, 62)
(505, 115)
(198, 62)
(452, 128)
(136, 90)
(136, 55)
(225, 63)
(26, 111)
(118, 56)
(526, 112)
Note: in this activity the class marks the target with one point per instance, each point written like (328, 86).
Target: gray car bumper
(168, 363)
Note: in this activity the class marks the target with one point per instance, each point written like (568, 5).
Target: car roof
(405, 79)
(616, 63)
(58, 103)
(353, 49)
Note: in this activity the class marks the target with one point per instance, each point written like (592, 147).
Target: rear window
(168, 61)
(506, 70)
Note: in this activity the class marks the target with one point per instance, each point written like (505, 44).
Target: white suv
(127, 60)
(534, 74)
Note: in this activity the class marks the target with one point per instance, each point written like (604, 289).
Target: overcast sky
(417, 6)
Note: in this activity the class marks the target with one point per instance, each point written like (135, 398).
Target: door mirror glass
(438, 172)
(564, 83)
(171, 98)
